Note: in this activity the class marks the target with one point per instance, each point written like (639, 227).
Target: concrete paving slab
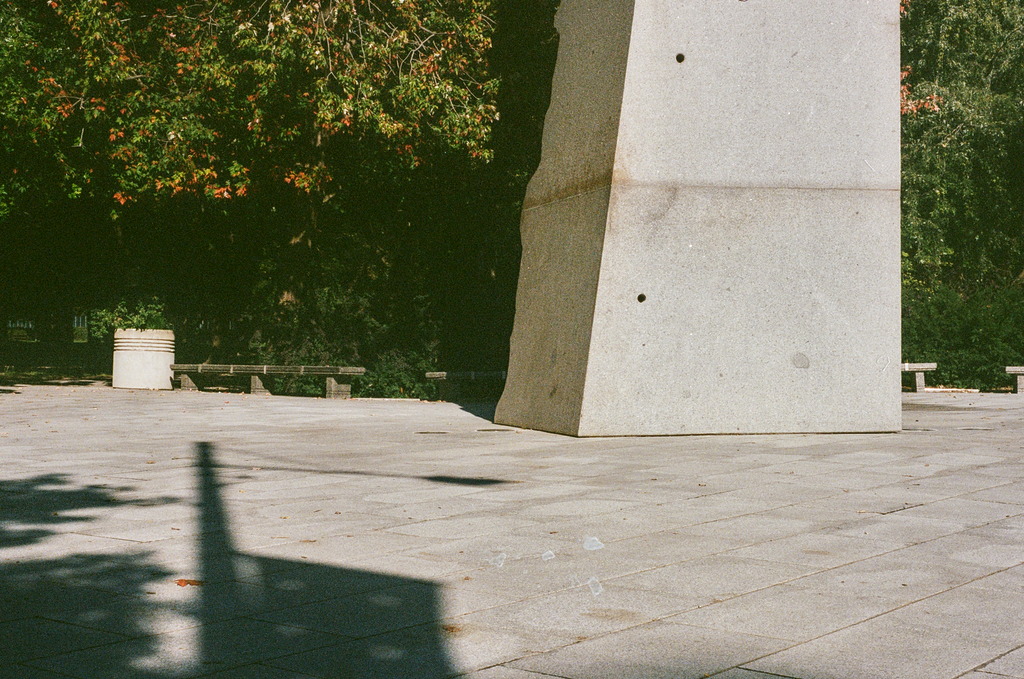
(969, 512)
(1009, 493)
(411, 512)
(781, 493)
(900, 577)
(395, 608)
(714, 578)
(505, 672)
(755, 528)
(1000, 531)
(352, 545)
(41, 544)
(464, 526)
(740, 673)
(991, 552)
(25, 672)
(896, 495)
(887, 647)
(1011, 579)
(22, 640)
(576, 508)
(961, 605)
(278, 520)
(589, 607)
(259, 671)
(788, 612)
(189, 652)
(1010, 665)
(662, 650)
(671, 546)
(672, 515)
(547, 568)
(817, 549)
(436, 650)
(893, 527)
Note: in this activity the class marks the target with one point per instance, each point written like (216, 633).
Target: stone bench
(1017, 370)
(919, 369)
(452, 383)
(338, 378)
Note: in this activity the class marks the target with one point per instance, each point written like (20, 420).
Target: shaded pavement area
(165, 534)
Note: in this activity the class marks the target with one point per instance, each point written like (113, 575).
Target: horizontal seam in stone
(570, 197)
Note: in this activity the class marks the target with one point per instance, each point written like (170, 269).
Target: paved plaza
(167, 534)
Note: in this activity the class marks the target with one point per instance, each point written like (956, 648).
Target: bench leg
(1020, 384)
(918, 381)
(256, 386)
(337, 389)
(187, 383)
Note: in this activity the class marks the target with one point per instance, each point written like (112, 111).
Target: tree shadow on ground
(124, 614)
(52, 601)
(51, 379)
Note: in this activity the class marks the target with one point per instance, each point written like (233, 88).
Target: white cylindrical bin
(143, 358)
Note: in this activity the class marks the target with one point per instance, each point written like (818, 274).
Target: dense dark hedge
(972, 338)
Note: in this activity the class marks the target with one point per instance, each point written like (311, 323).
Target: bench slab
(1017, 370)
(336, 386)
(225, 369)
(919, 369)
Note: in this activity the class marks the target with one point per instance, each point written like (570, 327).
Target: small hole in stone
(641, 298)
(680, 58)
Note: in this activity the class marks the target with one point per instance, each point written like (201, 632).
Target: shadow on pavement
(65, 602)
(455, 480)
(123, 615)
(910, 407)
(54, 377)
(483, 409)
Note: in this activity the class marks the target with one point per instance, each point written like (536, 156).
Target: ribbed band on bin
(143, 344)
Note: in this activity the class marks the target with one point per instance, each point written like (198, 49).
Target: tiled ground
(165, 535)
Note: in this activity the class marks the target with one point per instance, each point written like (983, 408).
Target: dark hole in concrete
(680, 58)
(641, 298)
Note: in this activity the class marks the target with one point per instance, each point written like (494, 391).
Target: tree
(963, 131)
(273, 161)
(217, 98)
(963, 187)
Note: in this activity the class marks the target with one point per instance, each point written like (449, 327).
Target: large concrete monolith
(711, 241)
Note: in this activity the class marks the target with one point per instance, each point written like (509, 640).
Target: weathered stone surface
(711, 241)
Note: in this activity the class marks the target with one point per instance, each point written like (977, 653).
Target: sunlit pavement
(170, 534)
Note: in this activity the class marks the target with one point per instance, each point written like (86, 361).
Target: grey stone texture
(711, 240)
(334, 538)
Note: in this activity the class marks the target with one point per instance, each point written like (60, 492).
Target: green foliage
(963, 188)
(972, 338)
(351, 311)
(146, 314)
(395, 374)
(963, 179)
(127, 100)
(309, 182)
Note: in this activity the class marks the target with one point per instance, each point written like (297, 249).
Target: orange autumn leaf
(184, 582)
